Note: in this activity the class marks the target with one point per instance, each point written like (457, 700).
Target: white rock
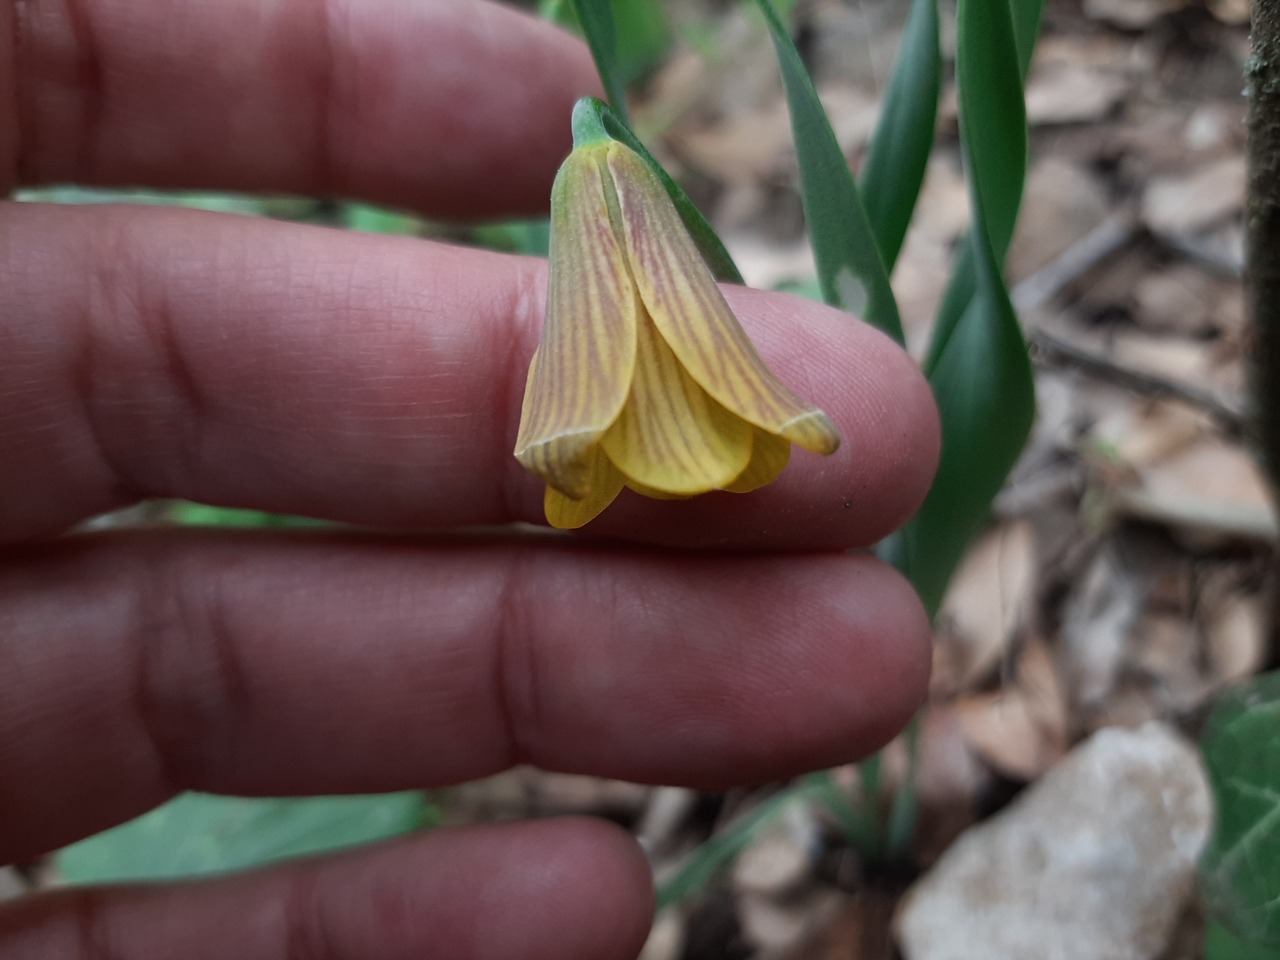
(1093, 862)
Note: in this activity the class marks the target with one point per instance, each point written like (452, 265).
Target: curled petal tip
(812, 431)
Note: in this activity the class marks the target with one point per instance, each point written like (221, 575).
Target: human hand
(150, 352)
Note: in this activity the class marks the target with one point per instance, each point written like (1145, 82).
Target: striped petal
(604, 483)
(769, 455)
(581, 373)
(671, 436)
(693, 318)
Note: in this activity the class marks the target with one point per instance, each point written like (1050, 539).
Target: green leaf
(641, 33)
(981, 374)
(1221, 944)
(898, 154)
(596, 19)
(203, 515)
(1240, 870)
(708, 241)
(850, 267)
(370, 219)
(198, 834)
(1026, 15)
(529, 237)
(643, 37)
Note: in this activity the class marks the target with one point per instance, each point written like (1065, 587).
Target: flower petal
(769, 455)
(581, 373)
(671, 436)
(689, 311)
(604, 483)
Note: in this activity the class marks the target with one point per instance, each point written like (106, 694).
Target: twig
(1193, 248)
(1054, 350)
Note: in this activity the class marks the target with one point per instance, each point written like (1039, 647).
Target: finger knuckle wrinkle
(191, 682)
(306, 933)
(517, 670)
(92, 926)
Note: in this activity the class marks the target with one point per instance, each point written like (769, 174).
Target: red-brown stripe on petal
(586, 357)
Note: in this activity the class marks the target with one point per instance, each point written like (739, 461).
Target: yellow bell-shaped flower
(643, 377)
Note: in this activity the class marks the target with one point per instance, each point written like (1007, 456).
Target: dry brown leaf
(746, 150)
(1235, 638)
(1172, 358)
(1130, 14)
(986, 604)
(666, 937)
(1063, 204)
(1180, 299)
(1194, 201)
(1164, 657)
(1066, 92)
(778, 859)
(1021, 729)
(949, 784)
(1098, 614)
(777, 928)
(1212, 470)
(1156, 431)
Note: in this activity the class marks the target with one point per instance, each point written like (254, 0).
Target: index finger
(455, 107)
(373, 380)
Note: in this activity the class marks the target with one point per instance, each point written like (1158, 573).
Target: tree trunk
(1262, 73)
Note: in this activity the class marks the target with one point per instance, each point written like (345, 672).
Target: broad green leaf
(850, 268)
(898, 155)
(1221, 944)
(708, 241)
(1026, 16)
(981, 374)
(198, 834)
(1240, 870)
(598, 26)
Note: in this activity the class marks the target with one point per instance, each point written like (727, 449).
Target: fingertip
(571, 888)
(862, 666)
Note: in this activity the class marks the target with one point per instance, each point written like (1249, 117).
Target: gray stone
(1095, 861)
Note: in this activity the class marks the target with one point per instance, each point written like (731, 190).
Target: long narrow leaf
(898, 155)
(1026, 15)
(596, 19)
(851, 270)
(981, 375)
